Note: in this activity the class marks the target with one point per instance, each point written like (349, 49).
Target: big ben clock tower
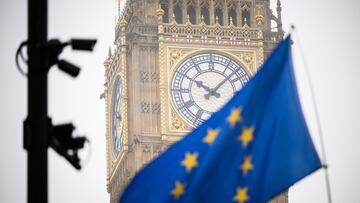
(175, 63)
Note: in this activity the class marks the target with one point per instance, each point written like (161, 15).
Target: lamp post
(36, 123)
(39, 133)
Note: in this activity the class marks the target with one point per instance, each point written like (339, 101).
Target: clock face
(203, 83)
(116, 117)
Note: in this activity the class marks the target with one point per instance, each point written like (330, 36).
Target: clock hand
(213, 91)
(201, 84)
(208, 89)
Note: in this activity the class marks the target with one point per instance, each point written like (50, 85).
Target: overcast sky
(329, 31)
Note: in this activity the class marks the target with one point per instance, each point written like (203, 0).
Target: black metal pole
(36, 124)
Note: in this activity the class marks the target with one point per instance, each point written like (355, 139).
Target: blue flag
(255, 147)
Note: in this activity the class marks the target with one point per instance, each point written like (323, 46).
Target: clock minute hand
(227, 78)
(222, 82)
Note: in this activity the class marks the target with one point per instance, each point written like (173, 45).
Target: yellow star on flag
(241, 195)
(234, 117)
(246, 136)
(211, 135)
(190, 161)
(246, 166)
(178, 190)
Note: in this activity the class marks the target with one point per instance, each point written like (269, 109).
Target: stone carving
(155, 77)
(259, 18)
(145, 107)
(177, 123)
(247, 58)
(176, 54)
(144, 76)
(155, 108)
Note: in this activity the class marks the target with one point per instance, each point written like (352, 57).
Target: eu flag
(255, 147)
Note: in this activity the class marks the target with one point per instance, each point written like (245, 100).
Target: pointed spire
(109, 54)
(107, 61)
(278, 9)
(187, 19)
(118, 11)
(173, 18)
(160, 13)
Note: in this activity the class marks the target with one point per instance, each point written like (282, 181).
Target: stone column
(225, 13)
(238, 14)
(212, 12)
(171, 10)
(184, 11)
(198, 11)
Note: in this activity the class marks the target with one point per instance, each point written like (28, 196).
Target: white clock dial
(203, 83)
(117, 120)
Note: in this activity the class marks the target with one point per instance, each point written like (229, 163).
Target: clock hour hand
(201, 84)
(208, 89)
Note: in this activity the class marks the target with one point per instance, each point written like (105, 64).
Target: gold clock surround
(173, 125)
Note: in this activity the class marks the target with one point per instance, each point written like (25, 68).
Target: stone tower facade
(155, 40)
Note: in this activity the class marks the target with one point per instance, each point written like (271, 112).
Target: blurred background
(329, 32)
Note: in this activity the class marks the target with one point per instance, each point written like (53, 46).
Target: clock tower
(175, 63)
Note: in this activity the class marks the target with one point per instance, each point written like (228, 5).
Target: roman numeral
(184, 75)
(196, 65)
(181, 90)
(199, 114)
(211, 65)
(189, 103)
(234, 80)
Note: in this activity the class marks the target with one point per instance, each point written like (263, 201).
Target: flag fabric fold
(255, 147)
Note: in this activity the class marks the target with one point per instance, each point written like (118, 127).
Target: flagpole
(320, 132)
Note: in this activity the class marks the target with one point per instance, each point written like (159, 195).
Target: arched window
(205, 14)
(178, 14)
(232, 14)
(165, 7)
(219, 14)
(245, 17)
(274, 25)
(192, 14)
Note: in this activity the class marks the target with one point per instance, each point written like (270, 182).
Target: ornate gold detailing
(178, 123)
(171, 54)
(211, 31)
(247, 58)
(259, 18)
(175, 55)
(261, 56)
